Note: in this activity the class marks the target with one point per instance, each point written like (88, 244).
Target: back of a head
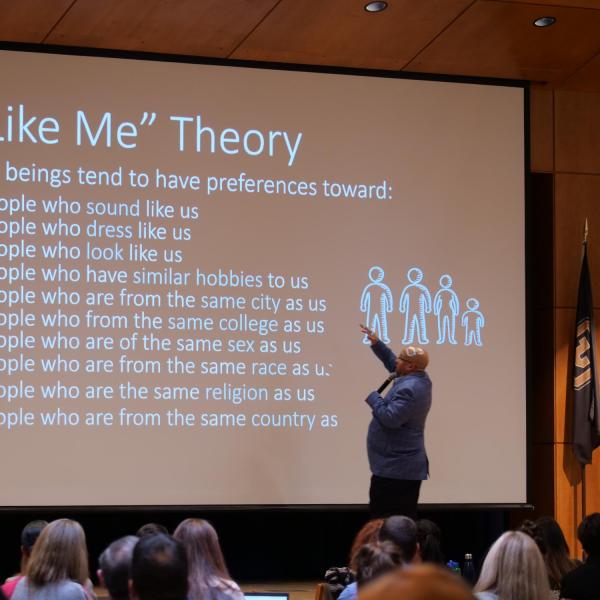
(514, 568)
(535, 533)
(553, 536)
(402, 531)
(151, 529)
(159, 569)
(368, 534)
(115, 564)
(555, 550)
(60, 553)
(429, 538)
(30, 534)
(204, 555)
(588, 533)
(418, 582)
(375, 559)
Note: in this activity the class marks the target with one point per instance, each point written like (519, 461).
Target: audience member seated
(558, 556)
(58, 567)
(513, 569)
(151, 529)
(548, 536)
(208, 576)
(367, 535)
(158, 569)
(338, 578)
(583, 583)
(418, 582)
(429, 538)
(402, 532)
(29, 535)
(115, 564)
(374, 560)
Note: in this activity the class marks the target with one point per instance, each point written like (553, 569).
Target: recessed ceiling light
(374, 7)
(544, 21)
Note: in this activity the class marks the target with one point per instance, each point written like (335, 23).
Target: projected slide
(186, 254)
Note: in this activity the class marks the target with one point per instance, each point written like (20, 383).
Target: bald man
(395, 441)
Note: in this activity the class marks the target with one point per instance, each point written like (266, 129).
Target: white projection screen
(187, 251)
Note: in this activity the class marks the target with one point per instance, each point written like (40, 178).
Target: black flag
(586, 433)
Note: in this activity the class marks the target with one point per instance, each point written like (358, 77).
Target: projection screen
(188, 250)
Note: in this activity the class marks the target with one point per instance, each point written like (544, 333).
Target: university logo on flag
(583, 358)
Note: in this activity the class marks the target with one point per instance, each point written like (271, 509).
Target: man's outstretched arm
(382, 352)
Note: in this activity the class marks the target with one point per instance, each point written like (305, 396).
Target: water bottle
(453, 566)
(468, 571)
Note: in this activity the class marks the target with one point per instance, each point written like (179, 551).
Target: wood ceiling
(488, 38)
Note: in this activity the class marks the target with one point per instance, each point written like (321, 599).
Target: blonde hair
(59, 554)
(514, 569)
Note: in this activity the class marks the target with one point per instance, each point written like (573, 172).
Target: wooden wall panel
(576, 197)
(341, 32)
(207, 28)
(586, 79)
(498, 39)
(592, 486)
(542, 130)
(568, 508)
(552, 3)
(576, 147)
(30, 20)
(577, 131)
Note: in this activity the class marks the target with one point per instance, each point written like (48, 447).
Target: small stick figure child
(472, 320)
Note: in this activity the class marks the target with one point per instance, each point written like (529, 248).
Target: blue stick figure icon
(472, 320)
(446, 306)
(415, 301)
(376, 301)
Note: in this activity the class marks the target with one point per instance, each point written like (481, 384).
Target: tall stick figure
(376, 301)
(415, 301)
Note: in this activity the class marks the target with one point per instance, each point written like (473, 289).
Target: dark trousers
(393, 497)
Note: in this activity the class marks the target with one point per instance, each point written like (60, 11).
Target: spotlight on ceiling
(374, 7)
(544, 21)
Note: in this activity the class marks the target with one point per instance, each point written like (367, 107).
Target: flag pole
(586, 397)
(583, 481)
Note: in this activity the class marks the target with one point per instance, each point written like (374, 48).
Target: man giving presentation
(395, 440)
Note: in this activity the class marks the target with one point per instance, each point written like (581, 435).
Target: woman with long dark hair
(58, 567)
(556, 554)
(208, 577)
(429, 537)
(548, 536)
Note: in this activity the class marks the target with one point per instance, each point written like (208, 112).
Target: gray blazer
(395, 440)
